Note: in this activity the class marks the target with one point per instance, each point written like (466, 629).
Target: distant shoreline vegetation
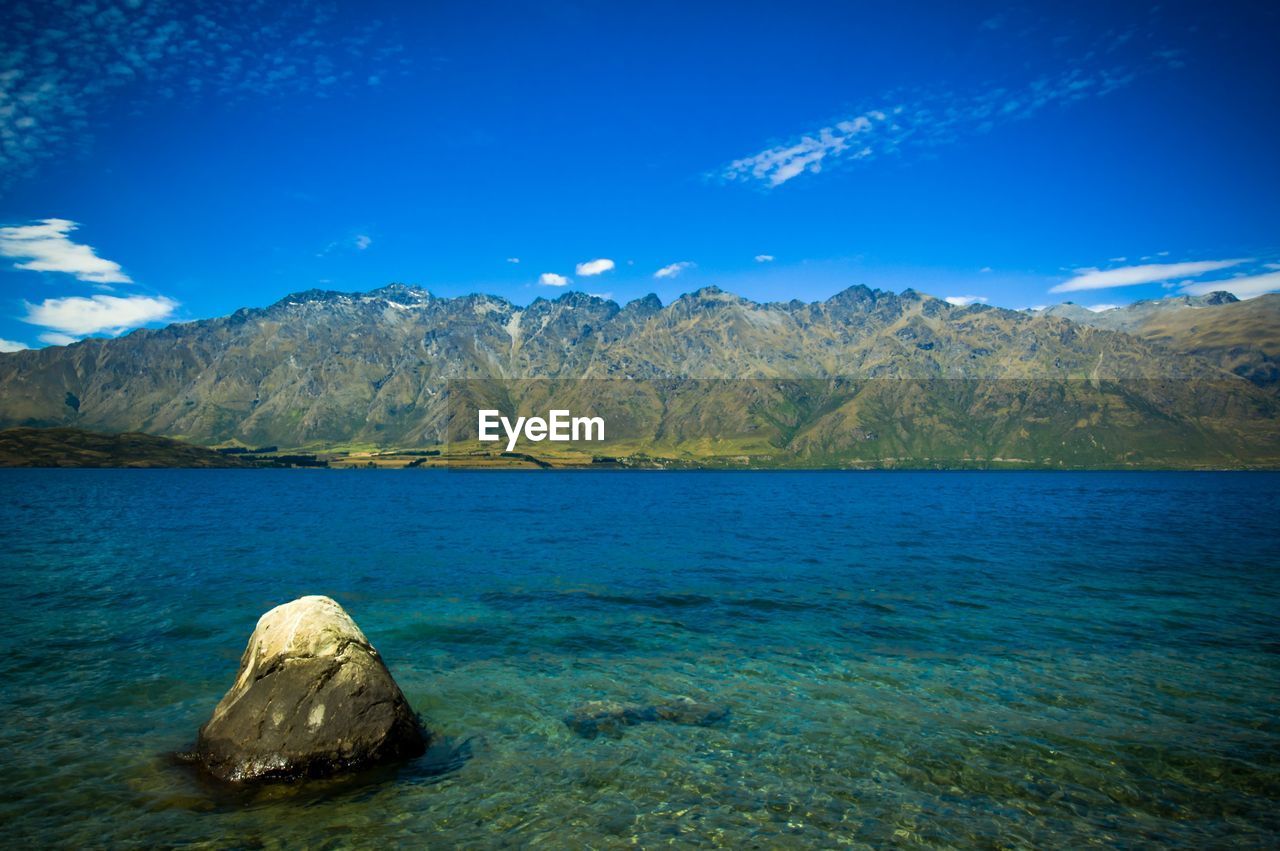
(76, 448)
(73, 447)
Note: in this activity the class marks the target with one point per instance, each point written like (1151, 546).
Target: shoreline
(889, 470)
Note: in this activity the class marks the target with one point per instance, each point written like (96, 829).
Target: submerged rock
(685, 710)
(608, 717)
(312, 698)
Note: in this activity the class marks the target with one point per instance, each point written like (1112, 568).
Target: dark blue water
(938, 659)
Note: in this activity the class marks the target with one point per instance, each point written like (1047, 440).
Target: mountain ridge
(1242, 336)
(324, 368)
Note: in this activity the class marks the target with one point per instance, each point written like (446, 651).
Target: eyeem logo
(560, 426)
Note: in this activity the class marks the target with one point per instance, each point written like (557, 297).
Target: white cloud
(64, 64)
(775, 166)
(674, 269)
(97, 314)
(1099, 308)
(45, 248)
(594, 267)
(551, 279)
(1246, 286)
(985, 269)
(925, 119)
(57, 338)
(1150, 273)
(764, 258)
(359, 242)
(11, 346)
(513, 259)
(965, 300)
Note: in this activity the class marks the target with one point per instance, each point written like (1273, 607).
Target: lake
(932, 659)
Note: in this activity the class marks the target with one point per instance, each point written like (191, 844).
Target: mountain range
(1242, 336)
(1181, 382)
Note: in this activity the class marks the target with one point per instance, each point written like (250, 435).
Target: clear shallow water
(924, 659)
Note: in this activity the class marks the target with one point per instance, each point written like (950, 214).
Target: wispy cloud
(551, 279)
(356, 241)
(1150, 273)
(11, 346)
(965, 300)
(594, 267)
(922, 119)
(63, 62)
(1099, 308)
(673, 269)
(764, 258)
(775, 166)
(44, 247)
(77, 316)
(513, 260)
(1244, 286)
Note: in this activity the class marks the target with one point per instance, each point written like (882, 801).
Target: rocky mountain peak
(401, 293)
(645, 305)
(1215, 298)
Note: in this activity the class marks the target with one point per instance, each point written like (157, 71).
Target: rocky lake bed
(956, 671)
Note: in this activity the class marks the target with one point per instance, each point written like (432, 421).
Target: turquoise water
(915, 659)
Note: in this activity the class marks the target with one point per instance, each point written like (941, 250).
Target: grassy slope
(1244, 337)
(71, 447)
(1071, 424)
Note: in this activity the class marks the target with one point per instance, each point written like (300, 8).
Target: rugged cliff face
(326, 368)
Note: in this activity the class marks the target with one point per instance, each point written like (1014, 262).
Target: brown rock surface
(312, 698)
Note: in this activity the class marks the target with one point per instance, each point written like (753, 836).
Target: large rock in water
(312, 698)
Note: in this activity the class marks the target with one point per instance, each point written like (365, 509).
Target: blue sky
(160, 165)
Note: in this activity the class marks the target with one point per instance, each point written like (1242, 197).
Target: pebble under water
(917, 659)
